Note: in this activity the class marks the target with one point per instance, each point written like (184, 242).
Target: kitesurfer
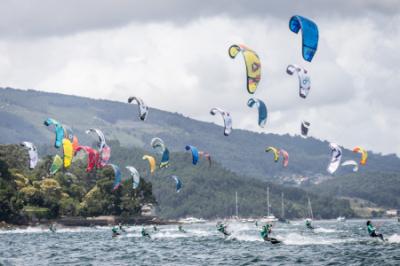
(372, 231)
(52, 228)
(222, 229)
(308, 224)
(145, 233)
(265, 231)
(180, 228)
(155, 228)
(115, 232)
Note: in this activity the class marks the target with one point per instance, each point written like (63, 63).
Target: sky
(174, 55)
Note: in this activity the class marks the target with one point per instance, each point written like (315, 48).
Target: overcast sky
(173, 54)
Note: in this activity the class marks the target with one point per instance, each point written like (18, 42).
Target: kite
(304, 79)
(143, 109)
(195, 153)
(309, 32)
(262, 110)
(226, 117)
(275, 151)
(152, 162)
(364, 154)
(33, 153)
(135, 176)
(253, 65)
(336, 157)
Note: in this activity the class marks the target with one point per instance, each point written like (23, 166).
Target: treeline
(380, 188)
(242, 152)
(208, 191)
(26, 193)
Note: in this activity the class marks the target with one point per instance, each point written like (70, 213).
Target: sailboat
(270, 218)
(340, 218)
(236, 217)
(310, 212)
(282, 218)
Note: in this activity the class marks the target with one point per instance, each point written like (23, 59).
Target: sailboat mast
(310, 208)
(237, 210)
(283, 207)
(267, 201)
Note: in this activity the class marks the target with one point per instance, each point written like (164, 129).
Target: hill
(22, 114)
(382, 189)
(207, 192)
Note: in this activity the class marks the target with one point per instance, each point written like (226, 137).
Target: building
(391, 213)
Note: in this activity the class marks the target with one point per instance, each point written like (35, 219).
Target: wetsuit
(181, 229)
(115, 231)
(222, 228)
(265, 231)
(372, 232)
(144, 233)
(308, 225)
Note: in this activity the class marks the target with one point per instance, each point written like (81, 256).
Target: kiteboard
(272, 240)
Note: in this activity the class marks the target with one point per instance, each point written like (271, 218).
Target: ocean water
(332, 243)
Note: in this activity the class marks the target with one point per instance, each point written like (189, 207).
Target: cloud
(185, 68)
(39, 18)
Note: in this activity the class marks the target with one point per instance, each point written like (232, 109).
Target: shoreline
(93, 221)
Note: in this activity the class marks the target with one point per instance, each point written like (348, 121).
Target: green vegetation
(207, 192)
(383, 189)
(240, 164)
(242, 152)
(27, 194)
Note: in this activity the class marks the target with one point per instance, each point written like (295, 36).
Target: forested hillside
(380, 188)
(208, 191)
(22, 114)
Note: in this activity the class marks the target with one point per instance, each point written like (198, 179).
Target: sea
(331, 243)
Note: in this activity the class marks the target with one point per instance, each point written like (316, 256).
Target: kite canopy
(364, 154)
(262, 110)
(351, 162)
(304, 128)
(68, 152)
(165, 159)
(178, 183)
(158, 145)
(195, 153)
(101, 143)
(104, 156)
(152, 162)
(336, 157)
(309, 32)
(160, 148)
(275, 152)
(135, 176)
(226, 117)
(143, 109)
(33, 154)
(207, 156)
(92, 156)
(68, 132)
(304, 79)
(285, 156)
(117, 175)
(56, 165)
(59, 130)
(253, 65)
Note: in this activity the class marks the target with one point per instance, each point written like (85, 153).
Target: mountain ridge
(23, 113)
